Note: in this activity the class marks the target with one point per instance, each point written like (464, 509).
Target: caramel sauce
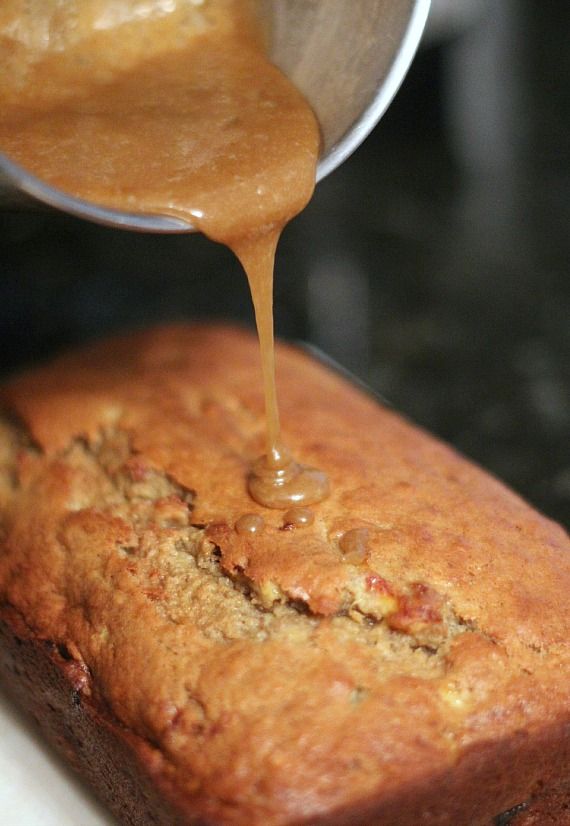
(298, 518)
(354, 545)
(173, 111)
(249, 523)
(285, 482)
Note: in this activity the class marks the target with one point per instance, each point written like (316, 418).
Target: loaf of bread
(417, 672)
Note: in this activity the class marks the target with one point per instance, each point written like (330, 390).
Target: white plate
(36, 789)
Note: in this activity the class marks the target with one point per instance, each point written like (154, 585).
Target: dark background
(433, 264)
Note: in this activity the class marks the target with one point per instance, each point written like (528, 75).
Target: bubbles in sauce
(176, 112)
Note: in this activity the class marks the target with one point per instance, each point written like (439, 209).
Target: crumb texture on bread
(276, 678)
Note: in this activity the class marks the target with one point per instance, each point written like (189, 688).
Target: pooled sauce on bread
(249, 523)
(354, 545)
(173, 110)
(298, 518)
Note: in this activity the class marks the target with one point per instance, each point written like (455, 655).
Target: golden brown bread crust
(266, 680)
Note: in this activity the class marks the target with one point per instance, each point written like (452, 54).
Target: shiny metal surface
(349, 60)
(19, 188)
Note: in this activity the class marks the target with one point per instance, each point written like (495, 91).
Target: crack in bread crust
(150, 501)
(152, 518)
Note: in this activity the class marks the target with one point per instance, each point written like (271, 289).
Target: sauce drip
(276, 479)
(177, 113)
(354, 545)
(249, 523)
(298, 518)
